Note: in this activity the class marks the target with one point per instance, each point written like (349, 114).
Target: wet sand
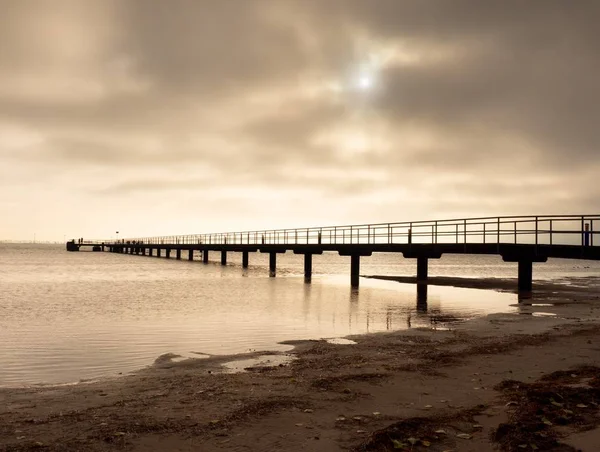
(460, 388)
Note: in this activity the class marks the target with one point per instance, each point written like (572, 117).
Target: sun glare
(365, 82)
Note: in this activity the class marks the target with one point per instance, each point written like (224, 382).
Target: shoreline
(324, 399)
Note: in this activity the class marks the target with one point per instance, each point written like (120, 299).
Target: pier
(520, 239)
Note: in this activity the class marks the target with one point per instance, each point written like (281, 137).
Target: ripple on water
(66, 317)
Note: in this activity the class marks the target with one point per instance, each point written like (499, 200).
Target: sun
(365, 82)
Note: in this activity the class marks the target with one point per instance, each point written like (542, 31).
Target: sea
(69, 317)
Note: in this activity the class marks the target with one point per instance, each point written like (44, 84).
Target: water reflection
(422, 297)
(72, 316)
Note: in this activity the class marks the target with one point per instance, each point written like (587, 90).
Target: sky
(190, 116)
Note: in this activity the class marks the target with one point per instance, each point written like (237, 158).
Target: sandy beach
(526, 381)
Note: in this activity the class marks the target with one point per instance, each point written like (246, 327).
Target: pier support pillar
(190, 255)
(525, 262)
(525, 276)
(354, 269)
(223, 257)
(422, 268)
(272, 264)
(178, 254)
(168, 253)
(307, 267)
(150, 252)
(205, 256)
(158, 252)
(131, 250)
(244, 259)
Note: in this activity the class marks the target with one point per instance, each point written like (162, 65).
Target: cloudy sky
(183, 116)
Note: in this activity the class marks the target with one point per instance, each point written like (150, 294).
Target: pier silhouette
(519, 239)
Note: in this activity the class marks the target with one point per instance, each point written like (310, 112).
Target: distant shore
(387, 390)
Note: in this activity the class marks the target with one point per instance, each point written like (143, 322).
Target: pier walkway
(520, 239)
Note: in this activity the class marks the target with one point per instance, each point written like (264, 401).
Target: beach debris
(340, 418)
(581, 405)
(464, 436)
(399, 444)
(441, 431)
(308, 410)
(555, 403)
(546, 421)
(428, 406)
(376, 413)
(361, 431)
(119, 434)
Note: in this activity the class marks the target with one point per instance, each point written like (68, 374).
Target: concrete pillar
(223, 257)
(354, 269)
(422, 268)
(168, 253)
(158, 251)
(272, 264)
(178, 254)
(307, 267)
(190, 255)
(525, 276)
(244, 259)
(150, 252)
(205, 256)
(131, 250)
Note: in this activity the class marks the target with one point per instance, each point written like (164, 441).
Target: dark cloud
(477, 105)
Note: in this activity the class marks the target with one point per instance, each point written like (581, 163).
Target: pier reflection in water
(72, 316)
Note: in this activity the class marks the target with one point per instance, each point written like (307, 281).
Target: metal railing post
(550, 231)
(484, 232)
(536, 233)
(515, 232)
(498, 235)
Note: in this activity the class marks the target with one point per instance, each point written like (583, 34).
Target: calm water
(66, 317)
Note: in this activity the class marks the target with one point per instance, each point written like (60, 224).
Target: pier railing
(536, 230)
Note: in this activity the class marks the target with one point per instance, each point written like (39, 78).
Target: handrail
(534, 230)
